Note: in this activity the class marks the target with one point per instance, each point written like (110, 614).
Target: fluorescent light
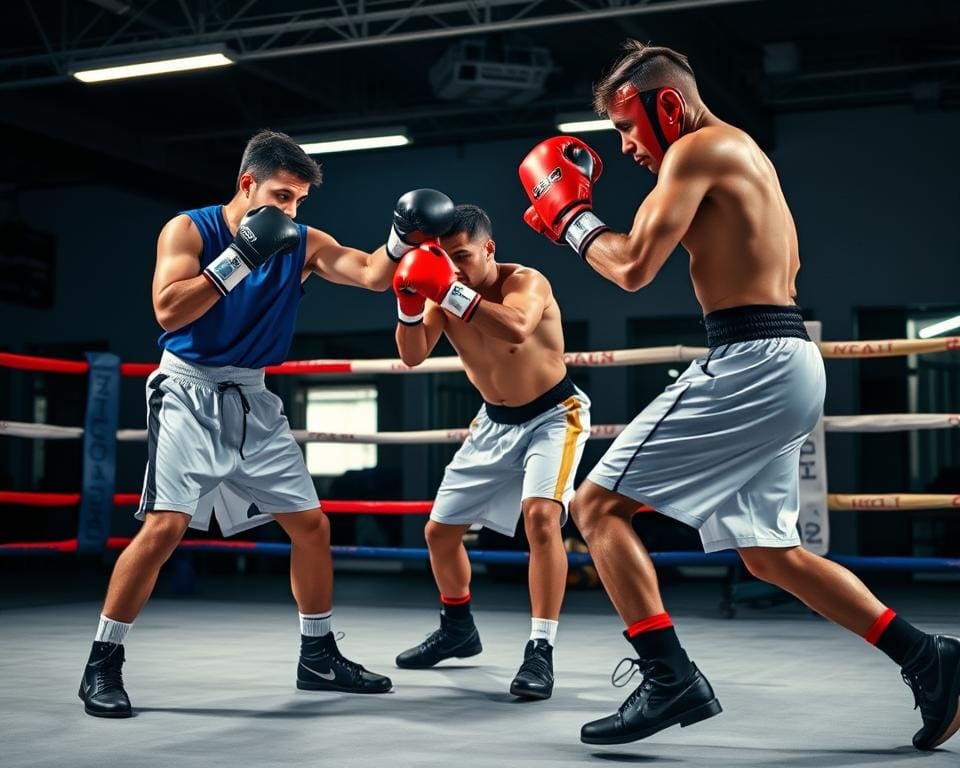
(585, 126)
(156, 67)
(937, 328)
(350, 144)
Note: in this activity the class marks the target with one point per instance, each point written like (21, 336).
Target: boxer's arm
(181, 293)
(347, 266)
(633, 260)
(416, 342)
(526, 294)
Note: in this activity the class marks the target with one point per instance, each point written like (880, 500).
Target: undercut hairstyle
(472, 220)
(647, 67)
(271, 151)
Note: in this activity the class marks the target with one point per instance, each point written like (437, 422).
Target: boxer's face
(636, 143)
(472, 259)
(283, 190)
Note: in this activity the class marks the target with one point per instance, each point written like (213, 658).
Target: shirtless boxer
(524, 445)
(226, 289)
(719, 449)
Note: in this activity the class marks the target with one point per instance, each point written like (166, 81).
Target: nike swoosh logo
(331, 675)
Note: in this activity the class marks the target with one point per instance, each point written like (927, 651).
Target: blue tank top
(252, 326)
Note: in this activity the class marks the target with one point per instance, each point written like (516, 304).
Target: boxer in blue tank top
(226, 288)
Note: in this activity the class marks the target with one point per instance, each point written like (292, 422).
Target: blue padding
(99, 451)
(513, 557)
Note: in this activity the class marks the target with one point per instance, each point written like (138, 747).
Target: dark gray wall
(874, 193)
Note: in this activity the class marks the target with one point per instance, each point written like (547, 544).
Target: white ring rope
(884, 422)
(677, 353)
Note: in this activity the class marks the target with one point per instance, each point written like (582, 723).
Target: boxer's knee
(541, 522)
(441, 537)
(592, 506)
(161, 533)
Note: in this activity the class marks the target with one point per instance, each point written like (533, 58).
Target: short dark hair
(471, 219)
(647, 67)
(270, 151)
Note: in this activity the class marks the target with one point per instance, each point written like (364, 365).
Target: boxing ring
(101, 437)
(211, 677)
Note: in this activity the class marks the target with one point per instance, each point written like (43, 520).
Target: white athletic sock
(110, 631)
(544, 629)
(315, 624)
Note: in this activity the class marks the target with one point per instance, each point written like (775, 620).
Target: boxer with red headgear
(719, 449)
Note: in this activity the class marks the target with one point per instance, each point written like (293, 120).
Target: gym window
(341, 409)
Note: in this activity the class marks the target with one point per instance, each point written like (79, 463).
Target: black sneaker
(933, 674)
(659, 702)
(454, 639)
(323, 668)
(534, 679)
(101, 687)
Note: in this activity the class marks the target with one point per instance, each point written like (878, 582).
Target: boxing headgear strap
(645, 110)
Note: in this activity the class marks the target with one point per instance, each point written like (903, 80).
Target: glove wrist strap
(583, 230)
(227, 270)
(406, 319)
(396, 245)
(461, 301)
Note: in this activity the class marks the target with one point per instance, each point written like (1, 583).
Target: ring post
(99, 451)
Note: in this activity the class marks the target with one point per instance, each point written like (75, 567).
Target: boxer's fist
(419, 215)
(263, 232)
(558, 176)
(428, 271)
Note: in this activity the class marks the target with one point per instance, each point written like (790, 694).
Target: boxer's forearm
(611, 256)
(184, 301)
(412, 344)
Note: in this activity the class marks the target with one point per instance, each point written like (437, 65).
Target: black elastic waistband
(506, 414)
(756, 321)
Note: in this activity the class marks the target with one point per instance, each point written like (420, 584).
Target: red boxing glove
(558, 176)
(428, 271)
(410, 305)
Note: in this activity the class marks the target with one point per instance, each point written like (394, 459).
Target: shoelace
(915, 684)
(535, 663)
(355, 670)
(433, 639)
(620, 679)
(110, 677)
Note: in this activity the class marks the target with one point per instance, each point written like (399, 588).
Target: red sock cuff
(455, 600)
(878, 627)
(649, 624)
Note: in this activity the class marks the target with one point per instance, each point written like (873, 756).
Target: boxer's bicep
(665, 216)
(178, 254)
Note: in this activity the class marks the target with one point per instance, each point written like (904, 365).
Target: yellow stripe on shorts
(574, 428)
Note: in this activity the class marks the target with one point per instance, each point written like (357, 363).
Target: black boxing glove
(263, 232)
(422, 214)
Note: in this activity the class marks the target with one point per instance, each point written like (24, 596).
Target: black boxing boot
(660, 701)
(101, 687)
(455, 639)
(933, 673)
(534, 679)
(323, 668)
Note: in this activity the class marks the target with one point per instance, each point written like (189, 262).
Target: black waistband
(756, 321)
(506, 414)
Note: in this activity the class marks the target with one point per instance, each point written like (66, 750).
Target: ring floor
(212, 682)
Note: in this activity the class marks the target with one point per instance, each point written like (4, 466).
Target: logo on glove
(247, 234)
(545, 183)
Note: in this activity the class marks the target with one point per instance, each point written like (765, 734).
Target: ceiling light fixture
(172, 61)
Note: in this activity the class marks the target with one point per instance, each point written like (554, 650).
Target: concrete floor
(211, 679)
